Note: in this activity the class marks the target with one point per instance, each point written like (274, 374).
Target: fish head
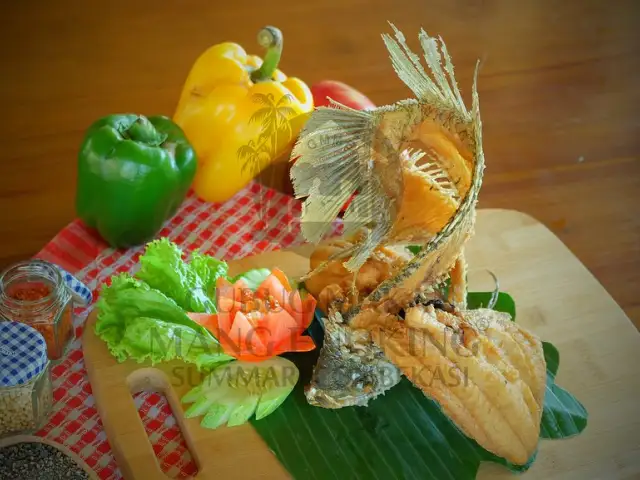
(351, 369)
(350, 383)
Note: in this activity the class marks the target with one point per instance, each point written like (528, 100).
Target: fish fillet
(487, 373)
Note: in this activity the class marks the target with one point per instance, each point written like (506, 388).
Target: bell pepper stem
(142, 130)
(271, 39)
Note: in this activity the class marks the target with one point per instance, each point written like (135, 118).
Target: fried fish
(406, 195)
(402, 199)
(417, 167)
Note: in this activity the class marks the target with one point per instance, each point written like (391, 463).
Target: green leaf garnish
(141, 323)
(190, 284)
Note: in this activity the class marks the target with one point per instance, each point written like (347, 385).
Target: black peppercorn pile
(37, 461)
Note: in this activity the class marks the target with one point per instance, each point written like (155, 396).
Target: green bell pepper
(133, 174)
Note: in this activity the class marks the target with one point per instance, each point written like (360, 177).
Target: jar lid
(23, 353)
(79, 291)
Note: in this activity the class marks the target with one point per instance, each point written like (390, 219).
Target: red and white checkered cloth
(257, 219)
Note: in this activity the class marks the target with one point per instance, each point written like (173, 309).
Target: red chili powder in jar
(29, 291)
(32, 292)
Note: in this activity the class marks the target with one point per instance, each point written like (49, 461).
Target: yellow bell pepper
(240, 113)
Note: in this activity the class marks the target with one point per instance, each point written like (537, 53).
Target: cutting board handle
(133, 451)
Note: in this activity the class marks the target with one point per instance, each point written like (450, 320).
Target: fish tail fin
(434, 261)
(442, 89)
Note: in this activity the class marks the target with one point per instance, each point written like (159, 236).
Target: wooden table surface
(558, 92)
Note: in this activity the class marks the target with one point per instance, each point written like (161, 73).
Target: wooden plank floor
(558, 92)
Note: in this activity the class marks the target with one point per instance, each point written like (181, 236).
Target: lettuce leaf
(147, 338)
(190, 285)
(140, 322)
(253, 278)
(209, 269)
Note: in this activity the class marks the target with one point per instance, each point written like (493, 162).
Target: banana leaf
(402, 434)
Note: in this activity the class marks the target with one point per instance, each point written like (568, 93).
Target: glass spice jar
(26, 390)
(34, 292)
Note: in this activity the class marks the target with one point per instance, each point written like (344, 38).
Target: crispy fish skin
(487, 373)
(351, 369)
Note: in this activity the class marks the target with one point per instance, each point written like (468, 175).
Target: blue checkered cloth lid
(79, 290)
(23, 353)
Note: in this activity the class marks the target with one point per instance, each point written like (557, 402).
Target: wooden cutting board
(556, 296)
